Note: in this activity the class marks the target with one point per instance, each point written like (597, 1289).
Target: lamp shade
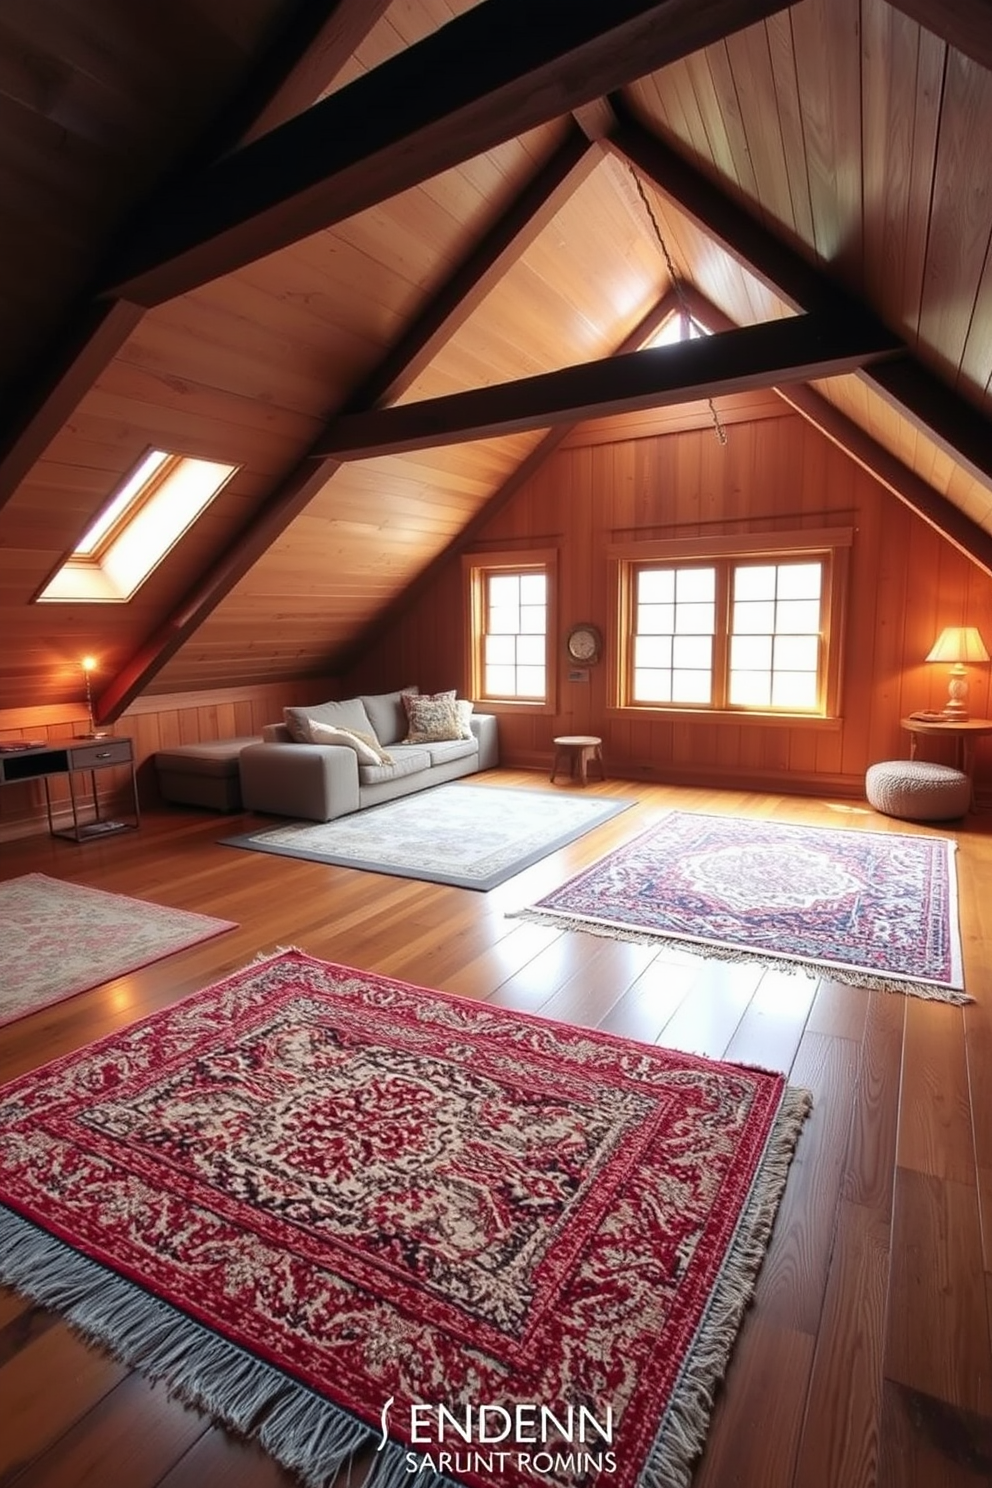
(958, 643)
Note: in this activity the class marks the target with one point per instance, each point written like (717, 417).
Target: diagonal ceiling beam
(313, 39)
(963, 24)
(917, 394)
(501, 68)
(473, 529)
(447, 311)
(792, 350)
(922, 498)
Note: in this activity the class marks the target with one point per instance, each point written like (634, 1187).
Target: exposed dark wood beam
(963, 24)
(935, 509)
(473, 529)
(508, 239)
(906, 384)
(792, 350)
(304, 59)
(442, 316)
(94, 339)
(487, 76)
(297, 62)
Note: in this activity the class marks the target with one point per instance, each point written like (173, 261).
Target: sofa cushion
(348, 714)
(366, 746)
(387, 714)
(432, 720)
(405, 761)
(452, 749)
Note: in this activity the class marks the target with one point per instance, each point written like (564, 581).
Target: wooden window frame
(476, 569)
(830, 545)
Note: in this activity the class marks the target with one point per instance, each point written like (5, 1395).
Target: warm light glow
(88, 663)
(959, 643)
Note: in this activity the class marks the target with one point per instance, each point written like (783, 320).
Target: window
(510, 605)
(144, 519)
(731, 631)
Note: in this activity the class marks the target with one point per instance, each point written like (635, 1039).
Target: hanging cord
(686, 313)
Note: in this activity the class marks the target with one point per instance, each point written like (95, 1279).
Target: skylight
(143, 520)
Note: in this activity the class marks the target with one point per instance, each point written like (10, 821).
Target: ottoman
(916, 790)
(203, 774)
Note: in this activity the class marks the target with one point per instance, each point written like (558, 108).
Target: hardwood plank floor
(865, 1361)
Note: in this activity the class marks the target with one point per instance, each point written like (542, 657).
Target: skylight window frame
(93, 577)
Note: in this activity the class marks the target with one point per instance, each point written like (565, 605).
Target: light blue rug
(470, 836)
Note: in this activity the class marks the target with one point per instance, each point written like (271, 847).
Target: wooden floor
(866, 1357)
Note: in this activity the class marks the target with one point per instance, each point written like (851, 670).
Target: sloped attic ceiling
(255, 310)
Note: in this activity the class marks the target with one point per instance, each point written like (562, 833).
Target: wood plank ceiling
(842, 134)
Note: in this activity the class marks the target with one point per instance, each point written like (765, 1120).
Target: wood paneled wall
(152, 723)
(906, 582)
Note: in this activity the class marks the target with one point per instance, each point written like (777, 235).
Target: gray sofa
(318, 782)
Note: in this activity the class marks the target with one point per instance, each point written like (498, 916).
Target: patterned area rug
(61, 938)
(383, 1210)
(470, 836)
(870, 908)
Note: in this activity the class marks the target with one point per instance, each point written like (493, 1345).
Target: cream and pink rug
(61, 938)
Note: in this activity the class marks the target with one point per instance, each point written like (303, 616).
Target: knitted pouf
(916, 790)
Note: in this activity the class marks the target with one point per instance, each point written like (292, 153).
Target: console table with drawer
(45, 762)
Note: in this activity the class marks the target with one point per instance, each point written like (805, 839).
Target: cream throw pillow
(432, 720)
(366, 746)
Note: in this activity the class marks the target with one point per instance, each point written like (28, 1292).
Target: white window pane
(695, 584)
(798, 616)
(504, 620)
(504, 589)
(750, 689)
(800, 580)
(694, 653)
(755, 581)
(655, 619)
(652, 686)
(794, 690)
(533, 589)
(530, 681)
(499, 650)
(751, 653)
(530, 650)
(691, 687)
(533, 619)
(501, 681)
(652, 651)
(694, 619)
(754, 617)
(796, 653)
(656, 586)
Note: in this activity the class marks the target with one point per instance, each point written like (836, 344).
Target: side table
(964, 732)
(45, 762)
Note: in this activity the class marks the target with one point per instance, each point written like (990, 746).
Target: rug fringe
(709, 951)
(683, 1428)
(304, 1432)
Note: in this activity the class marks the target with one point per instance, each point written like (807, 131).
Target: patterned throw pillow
(366, 746)
(432, 720)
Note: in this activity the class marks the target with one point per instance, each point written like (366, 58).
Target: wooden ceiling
(259, 231)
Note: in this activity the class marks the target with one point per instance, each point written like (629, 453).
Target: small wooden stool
(575, 751)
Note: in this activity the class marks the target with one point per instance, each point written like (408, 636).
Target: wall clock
(584, 644)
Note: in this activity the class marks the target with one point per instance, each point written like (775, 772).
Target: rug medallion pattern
(390, 1193)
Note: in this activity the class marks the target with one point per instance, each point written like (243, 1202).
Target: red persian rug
(337, 1210)
(874, 909)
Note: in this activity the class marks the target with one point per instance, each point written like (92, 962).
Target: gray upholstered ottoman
(916, 790)
(202, 774)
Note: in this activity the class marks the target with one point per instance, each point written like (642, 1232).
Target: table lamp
(958, 644)
(88, 665)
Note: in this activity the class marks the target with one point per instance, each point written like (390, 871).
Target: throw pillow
(411, 695)
(464, 707)
(432, 720)
(366, 746)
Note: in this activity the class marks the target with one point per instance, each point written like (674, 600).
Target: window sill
(733, 716)
(513, 705)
